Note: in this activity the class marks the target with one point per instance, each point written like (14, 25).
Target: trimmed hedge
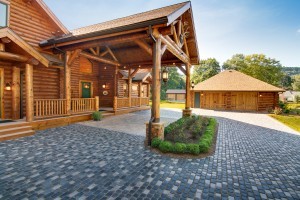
(203, 146)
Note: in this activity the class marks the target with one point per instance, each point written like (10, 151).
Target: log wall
(31, 24)
(7, 94)
(107, 76)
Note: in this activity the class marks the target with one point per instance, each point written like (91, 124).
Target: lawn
(166, 104)
(289, 120)
(293, 105)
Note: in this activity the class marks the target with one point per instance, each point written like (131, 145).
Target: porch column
(29, 92)
(68, 83)
(187, 111)
(16, 93)
(129, 86)
(140, 92)
(155, 128)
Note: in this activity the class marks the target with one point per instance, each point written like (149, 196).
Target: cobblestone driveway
(78, 161)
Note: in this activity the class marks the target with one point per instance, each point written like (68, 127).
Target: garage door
(244, 101)
(213, 100)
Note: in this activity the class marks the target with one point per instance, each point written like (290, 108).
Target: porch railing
(120, 103)
(82, 105)
(50, 107)
(46, 108)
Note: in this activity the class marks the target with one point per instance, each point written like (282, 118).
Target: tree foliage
(258, 66)
(176, 81)
(205, 70)
(296, 82)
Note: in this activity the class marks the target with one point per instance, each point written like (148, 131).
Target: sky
(223, 27)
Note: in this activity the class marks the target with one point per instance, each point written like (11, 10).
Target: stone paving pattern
(84, 162)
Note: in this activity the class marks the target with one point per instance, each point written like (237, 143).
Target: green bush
(284, 107)
(155, 142)
(166, 146)
(97, 116)
(192, 149)
(179, 147)
(207, 139)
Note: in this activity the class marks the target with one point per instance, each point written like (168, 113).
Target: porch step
(16, 135)
(14, 130)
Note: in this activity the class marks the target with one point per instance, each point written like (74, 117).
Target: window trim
(7, 3)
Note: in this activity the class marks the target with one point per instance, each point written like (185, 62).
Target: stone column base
(157, 130)
(186, 112)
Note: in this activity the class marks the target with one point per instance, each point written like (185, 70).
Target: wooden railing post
(16, 93)
(29, 92)
(97, 103)
(129, 86)
(140, 92)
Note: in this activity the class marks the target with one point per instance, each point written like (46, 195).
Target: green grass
(291, 121)
(166, 104)
(293, 105)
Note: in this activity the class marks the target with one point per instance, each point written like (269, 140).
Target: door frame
(2, 116)
(80, 87)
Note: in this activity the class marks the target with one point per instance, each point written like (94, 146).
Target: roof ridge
(129, 16)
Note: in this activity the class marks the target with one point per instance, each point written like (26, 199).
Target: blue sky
(224, 27)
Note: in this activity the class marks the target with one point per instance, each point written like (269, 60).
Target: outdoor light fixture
(86, 86)
(104, 86)
(7, 86)
(260, 95)
(165, 75)
(193, 84)
(202, 94)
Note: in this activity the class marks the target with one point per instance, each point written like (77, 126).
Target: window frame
(7, 4)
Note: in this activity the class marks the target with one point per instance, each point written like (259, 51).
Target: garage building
(233, 90)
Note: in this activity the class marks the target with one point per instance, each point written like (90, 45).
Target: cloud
(298, 31)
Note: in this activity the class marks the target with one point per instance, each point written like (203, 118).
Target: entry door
(86, 88)
(197, 100)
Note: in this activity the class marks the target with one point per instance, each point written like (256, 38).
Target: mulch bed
(191, 156)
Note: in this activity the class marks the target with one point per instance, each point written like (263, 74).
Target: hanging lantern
(193, 84)
(7, 86)
(165, 75)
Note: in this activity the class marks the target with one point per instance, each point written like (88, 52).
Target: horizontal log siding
(30, 23)
(7, 94)
(107, 76)
(267, 100)
(77, 76)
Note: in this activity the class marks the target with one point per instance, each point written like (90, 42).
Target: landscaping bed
(188, 137)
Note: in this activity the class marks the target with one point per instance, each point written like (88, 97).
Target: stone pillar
(157, 130)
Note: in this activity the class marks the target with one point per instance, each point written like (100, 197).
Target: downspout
(152, 118)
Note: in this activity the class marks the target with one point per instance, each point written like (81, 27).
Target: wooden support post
(156, 80)
(140, 92)
(29, 92)
(129, 86)
(16, 93)
(68, 83)
(96, 103)
(188, 112)
(2, 47)
(115, 106)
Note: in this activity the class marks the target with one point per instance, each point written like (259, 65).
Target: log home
(47, 71)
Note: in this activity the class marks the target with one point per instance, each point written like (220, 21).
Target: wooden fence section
(50, 107)
(120, 103)
(82, 105)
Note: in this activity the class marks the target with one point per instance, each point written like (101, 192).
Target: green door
(86, 89)
(197, 100)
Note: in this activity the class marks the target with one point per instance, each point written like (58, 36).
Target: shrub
(155, 142)
(277, 111)
(192, 149)
(283, 106)
(207, 139)
(97, 116)
(180, 147)
(166, 146)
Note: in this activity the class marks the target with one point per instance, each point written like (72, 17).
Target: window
(3, 14)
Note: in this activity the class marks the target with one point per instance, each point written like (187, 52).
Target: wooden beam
(144, 45)
(175, 36)
(106, 41)
(134, 72)
(98, 50)
(68, 82)
(156, 81)
(112, 54)
(100, 59)
(29, 92)
(13, 57)
(104, 53)
(6, 40)
(163, 49)
(166, 30)
(179, 29)
(16, 93)
(186, 49)
(2, 47)
(73, 56)
(93, 51)
(182, 69)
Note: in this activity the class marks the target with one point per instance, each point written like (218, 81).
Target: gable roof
(231, 80)
(7, 32)
(141, 75)
(165, 15)
(175, 91)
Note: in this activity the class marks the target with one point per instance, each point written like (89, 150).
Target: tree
(258, 66)
(296, 82)
(287, 82)
(205, 70)
(176, 81)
